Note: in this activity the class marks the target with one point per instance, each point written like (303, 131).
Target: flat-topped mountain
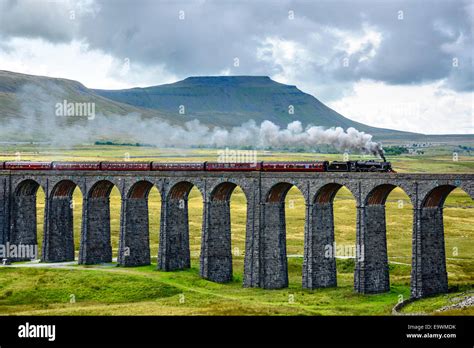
(232, 100)
(223, 101)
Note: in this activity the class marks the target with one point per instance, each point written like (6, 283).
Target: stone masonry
(265, 263)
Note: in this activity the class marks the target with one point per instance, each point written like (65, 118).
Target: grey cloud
(417, 49)
(36, 19)
(40, 121)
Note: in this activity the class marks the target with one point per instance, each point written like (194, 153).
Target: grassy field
(106, 289)
(435, 160)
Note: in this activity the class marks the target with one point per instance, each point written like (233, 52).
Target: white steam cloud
(39, 122)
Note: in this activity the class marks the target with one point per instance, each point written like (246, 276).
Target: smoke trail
(39, 122)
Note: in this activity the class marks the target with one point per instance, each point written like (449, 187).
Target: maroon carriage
(178, 166)
(27, 165)
(294, 166)
(76, 166)
(125, 166)
(233, 167)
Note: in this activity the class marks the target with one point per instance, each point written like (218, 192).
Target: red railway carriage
(125, 166)
(178, 166)
(27, 165)
(294, 166)
(76, 165)
(2, 165)
(230, 167)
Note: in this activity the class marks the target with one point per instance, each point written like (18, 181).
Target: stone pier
(265, 258)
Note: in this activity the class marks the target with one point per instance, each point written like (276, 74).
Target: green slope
(232, 100)
(223, 101)
(18, 90)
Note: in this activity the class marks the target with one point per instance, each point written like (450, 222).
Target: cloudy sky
(405, 65)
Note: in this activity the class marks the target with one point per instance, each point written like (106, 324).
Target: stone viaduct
(265, 262)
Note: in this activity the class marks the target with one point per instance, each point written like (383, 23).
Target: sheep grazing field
(69, 289)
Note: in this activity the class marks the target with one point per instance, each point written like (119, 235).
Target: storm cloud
(322, 44)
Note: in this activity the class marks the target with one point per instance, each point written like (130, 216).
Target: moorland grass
(109, 290)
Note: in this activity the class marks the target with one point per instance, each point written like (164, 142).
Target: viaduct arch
(265, 262)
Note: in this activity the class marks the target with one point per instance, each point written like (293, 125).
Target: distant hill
(223, 101)
(16, 90)
(231, 100)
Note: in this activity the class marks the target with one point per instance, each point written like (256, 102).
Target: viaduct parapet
(265, 263)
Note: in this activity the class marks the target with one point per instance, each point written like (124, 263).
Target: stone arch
(458, 212)
(277, 193)
(140, 189)
(377, 191)
(378, 195)
(23, 232)
(27, 187)
(429, 272)
(96, 246)
(435, 198)
(63, 188)
(273, 239)
(101, 186)
(247, 185)
(222, 191)
(372, 270)
(174, 250)
(319, 264)
(62, 185)
(216, 244)
(134, 243)
(273, 189)
(225, 185)
(180, 188)
(324, 191)
(100, 189)
(58, 243)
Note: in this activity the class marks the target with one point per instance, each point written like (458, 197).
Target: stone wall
(319, 263)
(429, 274)
(174, 250)
(4, 209)
(23, 222)
(273, 243)
(95, 239)
(371, 264)
(216, 250)
(134, 240)
(58, 243)
(265, 262)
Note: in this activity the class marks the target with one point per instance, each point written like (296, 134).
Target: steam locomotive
(262, 166)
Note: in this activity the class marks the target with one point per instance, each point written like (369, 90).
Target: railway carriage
(294, 166)
(233, 167)
(178, 166)
(76, 165)
(125, 166)
(314, 166)
(27, 165)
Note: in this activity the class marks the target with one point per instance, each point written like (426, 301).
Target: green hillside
(20, 91)
(231, 100)
(223, 101)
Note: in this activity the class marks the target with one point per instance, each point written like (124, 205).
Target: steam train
(310, 166)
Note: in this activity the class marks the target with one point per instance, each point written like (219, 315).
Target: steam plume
(39, 122)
